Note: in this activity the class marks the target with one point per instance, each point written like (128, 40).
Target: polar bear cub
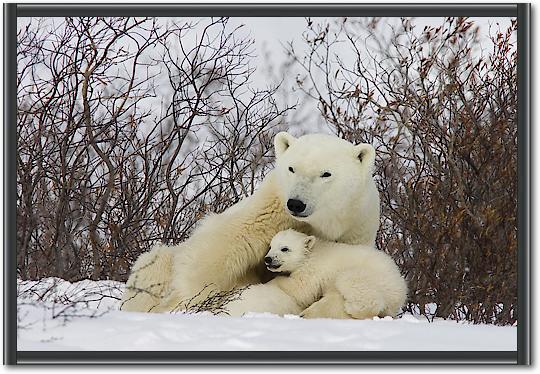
(356, 281)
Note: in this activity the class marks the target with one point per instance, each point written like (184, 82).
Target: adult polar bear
(321, 185)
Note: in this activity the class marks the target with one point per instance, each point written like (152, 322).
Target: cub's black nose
(268, 260)
(296, 206)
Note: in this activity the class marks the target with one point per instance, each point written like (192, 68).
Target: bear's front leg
(172, 302)
(331, 305)
(175, 301)
(263, 298)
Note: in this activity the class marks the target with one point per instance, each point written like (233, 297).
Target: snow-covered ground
(56, 315)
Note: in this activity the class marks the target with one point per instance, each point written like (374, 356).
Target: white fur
(331, 280)
(225, 249)
(343, 207)
(150, 278)
(261, 298)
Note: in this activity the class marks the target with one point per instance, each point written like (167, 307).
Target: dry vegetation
(129, 131)
(442, 116)
(102, 174)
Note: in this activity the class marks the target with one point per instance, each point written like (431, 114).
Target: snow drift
(57, 315)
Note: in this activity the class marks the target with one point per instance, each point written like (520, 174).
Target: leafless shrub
(61, 301)
(441, 113)
(128, 132)
(214, 303)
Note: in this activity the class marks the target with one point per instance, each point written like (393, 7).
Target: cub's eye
(325, 175)
(291, 169)
(284, 249)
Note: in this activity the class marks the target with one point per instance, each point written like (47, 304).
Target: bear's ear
(365, 153)
(309, 242)
(282, 141)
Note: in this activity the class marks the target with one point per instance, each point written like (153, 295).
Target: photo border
(13, 10)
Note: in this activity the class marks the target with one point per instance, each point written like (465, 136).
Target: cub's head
(319, 175)
(288, 251)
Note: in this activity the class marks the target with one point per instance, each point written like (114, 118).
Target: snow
(57, 315)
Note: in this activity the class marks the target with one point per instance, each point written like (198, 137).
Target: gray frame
(12, 11)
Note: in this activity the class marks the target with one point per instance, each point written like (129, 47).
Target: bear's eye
(325, 174)
(284, 249)
(291, 169)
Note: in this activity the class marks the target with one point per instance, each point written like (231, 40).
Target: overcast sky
(270, 34)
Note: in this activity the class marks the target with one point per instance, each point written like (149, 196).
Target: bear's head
(288, 251)
(320, 176)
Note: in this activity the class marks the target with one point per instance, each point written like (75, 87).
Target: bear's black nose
(296, 206)
(268, 260)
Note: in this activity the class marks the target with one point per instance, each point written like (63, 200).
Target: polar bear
(357, 281)
(321, 185)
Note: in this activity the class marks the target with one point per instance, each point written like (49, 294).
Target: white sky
(273, 32)
(270, 34)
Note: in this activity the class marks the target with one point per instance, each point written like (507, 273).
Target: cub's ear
(282, 141)
(365, 153)
(309, 242)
